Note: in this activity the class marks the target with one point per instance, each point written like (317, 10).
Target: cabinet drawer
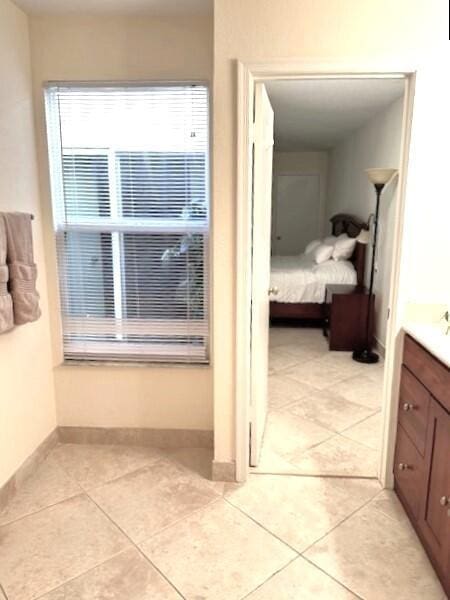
(433, 374)
(414, 403)
(408, 472)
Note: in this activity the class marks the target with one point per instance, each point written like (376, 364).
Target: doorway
(312, 341)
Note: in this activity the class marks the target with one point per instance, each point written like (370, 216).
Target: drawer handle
(404, 466)
(444, 501)
(407, 406)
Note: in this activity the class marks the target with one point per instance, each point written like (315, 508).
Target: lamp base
(365, 356)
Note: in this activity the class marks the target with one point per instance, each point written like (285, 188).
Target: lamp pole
(367, 355)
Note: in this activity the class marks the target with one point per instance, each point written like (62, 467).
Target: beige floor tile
(343, 360)
(387, 503)
(279, 360)
(375, 372)
(147, 500)
(301, 353)
(378, 558)
(127, 576)
(198, 461)
(42, 551)
(92, 465)
(329, 410)
(338, 456)
(217, 553)
(301, 580)
(368, 432)
(300, 510)
(272, 462)
(315, 373)
(284, 391)
(279, 336)
(287, 434)
(361, 390)
(47, 486)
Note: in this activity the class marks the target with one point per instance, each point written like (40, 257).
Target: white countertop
(431, 337)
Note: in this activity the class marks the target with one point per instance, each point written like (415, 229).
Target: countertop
(431, 337)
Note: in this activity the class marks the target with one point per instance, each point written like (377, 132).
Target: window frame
(126, 225)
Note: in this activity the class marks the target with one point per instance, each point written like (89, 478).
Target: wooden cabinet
(435, 523)
(422, 456)
(345, 316)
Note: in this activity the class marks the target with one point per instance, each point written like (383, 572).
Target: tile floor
(120, 523)
(324, 409)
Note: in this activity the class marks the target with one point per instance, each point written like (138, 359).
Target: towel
(6, 307)
(22, 270)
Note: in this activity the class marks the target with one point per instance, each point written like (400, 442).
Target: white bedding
(300, 279)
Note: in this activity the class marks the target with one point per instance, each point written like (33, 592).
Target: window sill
(131, 364)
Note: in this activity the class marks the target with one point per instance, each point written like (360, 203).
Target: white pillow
(312, 246)
(322, 253)
(343, 248)
(330, 240)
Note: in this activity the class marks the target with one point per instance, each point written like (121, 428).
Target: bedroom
(324, 409)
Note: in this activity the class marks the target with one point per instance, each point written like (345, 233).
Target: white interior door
(262, 198)
(296, 213)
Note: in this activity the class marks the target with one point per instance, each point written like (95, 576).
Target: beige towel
(6, 307)
(22, 270)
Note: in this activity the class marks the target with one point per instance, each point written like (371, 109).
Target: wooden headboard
(351, 225)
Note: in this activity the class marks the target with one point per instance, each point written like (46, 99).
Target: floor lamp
(379, 178)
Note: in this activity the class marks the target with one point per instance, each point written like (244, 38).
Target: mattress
(300, 279)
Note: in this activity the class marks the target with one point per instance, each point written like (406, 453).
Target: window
(130, 187)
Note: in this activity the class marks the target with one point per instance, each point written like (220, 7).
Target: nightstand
(345, 316)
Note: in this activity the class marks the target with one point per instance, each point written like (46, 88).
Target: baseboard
(133, 436)
(380, 347)
(28, 467)
(223, 471)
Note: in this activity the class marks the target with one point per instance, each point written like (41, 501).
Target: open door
(262, 199)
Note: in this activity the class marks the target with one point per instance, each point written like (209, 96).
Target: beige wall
(327, 31)
(376, 144)
(119, 48)
(27, 406)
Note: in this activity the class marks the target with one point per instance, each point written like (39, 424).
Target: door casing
(248, 74)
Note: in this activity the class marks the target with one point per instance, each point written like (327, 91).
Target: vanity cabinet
(422, 455)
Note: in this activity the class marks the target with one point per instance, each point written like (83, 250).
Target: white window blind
(130, 189)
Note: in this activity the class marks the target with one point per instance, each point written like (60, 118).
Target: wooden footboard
(288, 310)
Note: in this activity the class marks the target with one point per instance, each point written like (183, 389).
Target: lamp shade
(380, 176)
(363, 237)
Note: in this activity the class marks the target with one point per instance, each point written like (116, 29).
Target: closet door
(296, 214)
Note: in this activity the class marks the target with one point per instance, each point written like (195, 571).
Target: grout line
(341, 522)
(316, 475)
(274, 535)
(178, 520)
(270, 577)
(333, 578)
(378, 410)
(138, 549)
(39, 510)
(75, 577)
(85, 492)
(2, 590)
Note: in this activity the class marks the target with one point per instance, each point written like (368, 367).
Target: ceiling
(122, 7)
(315, 114)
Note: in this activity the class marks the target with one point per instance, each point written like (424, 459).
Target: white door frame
(248, 74)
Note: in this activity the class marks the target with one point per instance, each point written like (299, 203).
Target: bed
(301, 283)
